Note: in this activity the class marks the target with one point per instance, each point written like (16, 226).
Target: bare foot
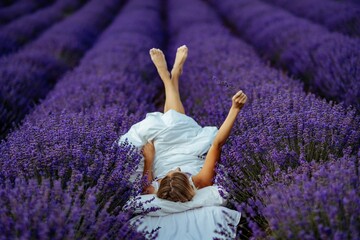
(180, 58)
(158, 58)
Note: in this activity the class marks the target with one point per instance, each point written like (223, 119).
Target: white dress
(179, 141)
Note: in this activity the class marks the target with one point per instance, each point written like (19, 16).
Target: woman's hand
(238, 100)
(148, 152)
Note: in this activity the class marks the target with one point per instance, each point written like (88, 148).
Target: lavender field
(75, 75)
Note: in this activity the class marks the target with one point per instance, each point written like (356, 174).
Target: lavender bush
(280, 127)
(63, 156)
(109, 74)
(74, 143)
(317, 201)
(20, 8)
(48, 211)
(336, 16)
(24, 29)
(29, 75)
(354, 1)
(109, 112)
(305, 50)
(351, 1)
(6, 3)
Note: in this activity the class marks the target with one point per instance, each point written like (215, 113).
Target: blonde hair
(176, 187)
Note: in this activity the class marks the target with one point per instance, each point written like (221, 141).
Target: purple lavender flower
(284, 141)
(336, 16)
(279, 129)
(328, 63)
(317, 200)
(29, 75)
(20, 8)
(46, 210)
(22, 30)
(73, 143)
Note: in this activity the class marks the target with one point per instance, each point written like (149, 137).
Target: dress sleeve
(133, 136)
(142, 132)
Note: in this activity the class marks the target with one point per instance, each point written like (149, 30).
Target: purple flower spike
(280, 128)
(328, 63)
(27, 76)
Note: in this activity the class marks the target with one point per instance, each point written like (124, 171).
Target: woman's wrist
(235, 109)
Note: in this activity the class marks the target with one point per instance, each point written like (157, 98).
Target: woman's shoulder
(198, 182)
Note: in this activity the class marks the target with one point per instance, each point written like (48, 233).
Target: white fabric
(208, 196)
(178, 141)
(200, 223)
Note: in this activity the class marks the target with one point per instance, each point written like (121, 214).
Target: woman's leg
(181, 55)
(172, 96)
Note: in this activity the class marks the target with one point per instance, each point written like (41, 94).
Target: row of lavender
(20, 8)
(6, 3)
(328, 63)
(348, 1)
(352, 1)
(28, 75)
(65, 178)
(292, 162)
(24, 29)
(336, 16)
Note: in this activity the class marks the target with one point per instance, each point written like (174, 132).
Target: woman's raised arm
(205, 177)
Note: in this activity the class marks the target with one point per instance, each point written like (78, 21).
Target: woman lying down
(172, 144)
